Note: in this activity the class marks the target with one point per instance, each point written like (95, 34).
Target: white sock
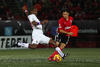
(59, 51)
(26, 45)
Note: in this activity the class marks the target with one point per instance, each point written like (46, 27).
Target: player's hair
(32, 8)
(65, 10)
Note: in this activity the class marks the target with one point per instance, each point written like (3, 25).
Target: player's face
(65, 14)
(34, 11)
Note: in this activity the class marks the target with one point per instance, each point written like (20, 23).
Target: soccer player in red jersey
(65, 23)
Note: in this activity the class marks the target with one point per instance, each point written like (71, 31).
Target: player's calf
(32, 46)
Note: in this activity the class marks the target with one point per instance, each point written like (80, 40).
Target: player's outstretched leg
(58, 50)
(51, 57)
(27, 45)
(62, 46)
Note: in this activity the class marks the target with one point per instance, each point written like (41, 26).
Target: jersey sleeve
(33, 18)
(72, 19)
(61, 25)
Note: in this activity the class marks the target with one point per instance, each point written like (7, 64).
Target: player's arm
(37, 23)
(61, 29)
(44, 21)
(25, 10)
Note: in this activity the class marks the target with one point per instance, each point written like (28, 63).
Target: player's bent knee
(57, 43)
(62, 45)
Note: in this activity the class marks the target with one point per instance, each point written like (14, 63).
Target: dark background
(86, 14)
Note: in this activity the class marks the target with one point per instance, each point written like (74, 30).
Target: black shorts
(62, 38)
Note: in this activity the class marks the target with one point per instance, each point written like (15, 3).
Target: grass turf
(79, 57)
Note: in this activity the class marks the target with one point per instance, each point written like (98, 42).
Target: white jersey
(38, 28)
(37, 34)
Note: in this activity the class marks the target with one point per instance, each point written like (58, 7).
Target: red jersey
(65, 25)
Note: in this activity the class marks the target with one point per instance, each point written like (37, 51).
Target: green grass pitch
(79, 57)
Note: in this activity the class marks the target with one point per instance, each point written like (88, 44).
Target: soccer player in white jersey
(37, 35)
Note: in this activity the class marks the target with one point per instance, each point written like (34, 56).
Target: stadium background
(13, 21)
(84, 50)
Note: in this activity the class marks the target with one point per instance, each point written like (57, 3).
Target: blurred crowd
(79, 9)
(5, 13)
(51, 9)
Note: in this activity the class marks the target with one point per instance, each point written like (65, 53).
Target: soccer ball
(57, 58)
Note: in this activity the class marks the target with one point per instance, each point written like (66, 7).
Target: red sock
(55, 53)
(51, 57)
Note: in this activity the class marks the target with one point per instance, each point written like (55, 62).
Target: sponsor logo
(67, 27)
(8, 41)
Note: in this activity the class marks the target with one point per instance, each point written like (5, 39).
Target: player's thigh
(35, 38)
(44, 39)
(63, 38)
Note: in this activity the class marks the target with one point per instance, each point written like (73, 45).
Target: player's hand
(44, 21)
(70, 33)
(25, 9)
